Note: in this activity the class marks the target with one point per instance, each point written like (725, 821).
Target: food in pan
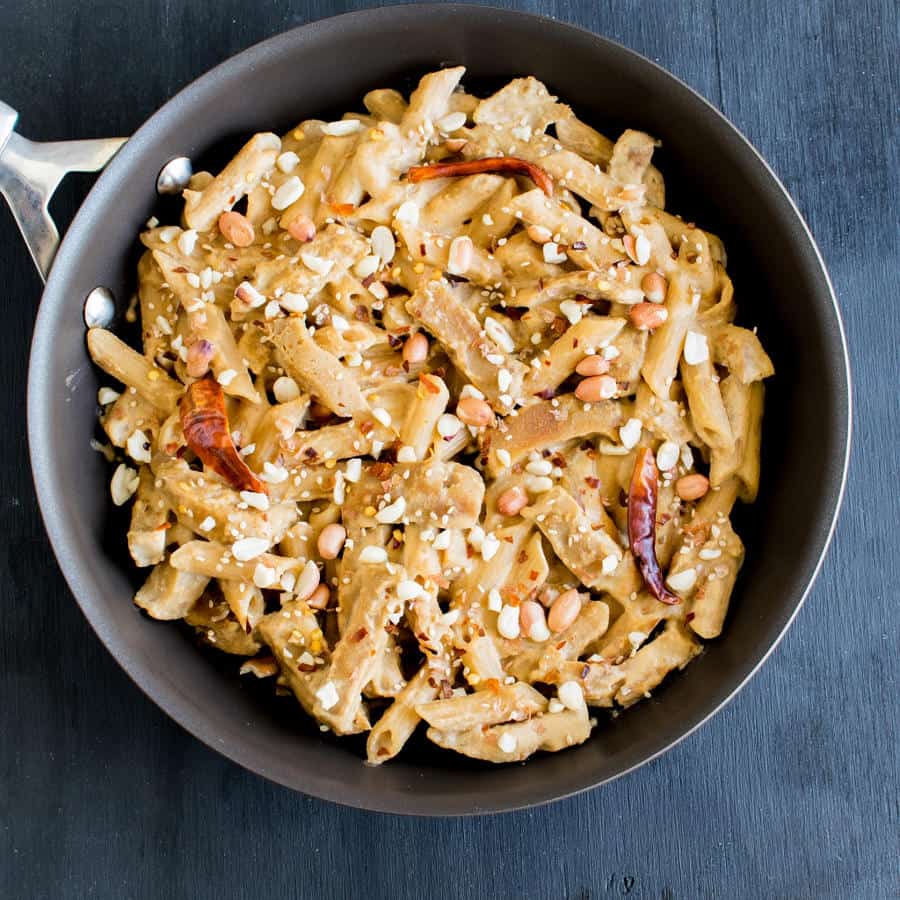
(439, 417)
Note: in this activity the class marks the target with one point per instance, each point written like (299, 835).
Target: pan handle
(29, 174)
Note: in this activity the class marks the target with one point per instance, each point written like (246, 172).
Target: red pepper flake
(509, 165)
(559, 325)
(546, 394)
(533, 575)
(422, 250)
(381, 470)
(342, 209)
(428, 383)
(359, 635)
(642, 500)
(205, 424)
(366, 427)
(689, 617)
(592, 481)
(394, 341)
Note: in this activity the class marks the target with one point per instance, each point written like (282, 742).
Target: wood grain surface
(791, 792)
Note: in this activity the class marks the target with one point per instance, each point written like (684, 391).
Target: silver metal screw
(99, 308)
(174, 176)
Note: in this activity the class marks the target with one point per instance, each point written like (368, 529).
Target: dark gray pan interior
(713, 177)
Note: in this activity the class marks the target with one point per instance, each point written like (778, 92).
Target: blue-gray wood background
(791, 792)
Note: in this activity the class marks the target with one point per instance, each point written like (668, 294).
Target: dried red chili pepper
(510, 165)
(642, 498)
(206, 430)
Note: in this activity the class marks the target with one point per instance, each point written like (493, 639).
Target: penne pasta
(438, 416)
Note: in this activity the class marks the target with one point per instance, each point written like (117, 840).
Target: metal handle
(29, 174)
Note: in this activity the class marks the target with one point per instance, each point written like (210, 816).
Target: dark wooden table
(791, 792)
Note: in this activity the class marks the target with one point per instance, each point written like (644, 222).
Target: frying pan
(713, 176)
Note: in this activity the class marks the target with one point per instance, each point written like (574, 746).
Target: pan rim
(76, 569)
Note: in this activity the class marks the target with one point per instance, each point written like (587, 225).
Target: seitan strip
(478, 357)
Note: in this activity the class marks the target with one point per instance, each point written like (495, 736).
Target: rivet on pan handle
(29, 174)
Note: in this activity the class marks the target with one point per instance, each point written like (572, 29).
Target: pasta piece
(209, 324)
(558, 362)
(585, 551)
(215, 625)
(631, 629)
(385, 103)
(664, 347)
(353, 572)
(586, 630)
(708, 415)
(245, 602)
(736, 401)
(631, 156)
(586, 245)
(277, 425)
(391, 732)
(549, 423)
(208, 506)
(355, 656)
(448, 210)
(168, 593)
(157, 313)
(149, 523)
(116, 358)
(129, 413)
(494, 219)
(445, 494)
(740, 351)
(316, 370)
(418, 429)
(749, 467)
(523, 103)
(215, 560)
(553, 731)
(720, 560)
(241, 175)
(673, 649)
(493, 704)
(382, 160)
(592, 286)
(296, 640)
(470, 348)
(344, 441)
